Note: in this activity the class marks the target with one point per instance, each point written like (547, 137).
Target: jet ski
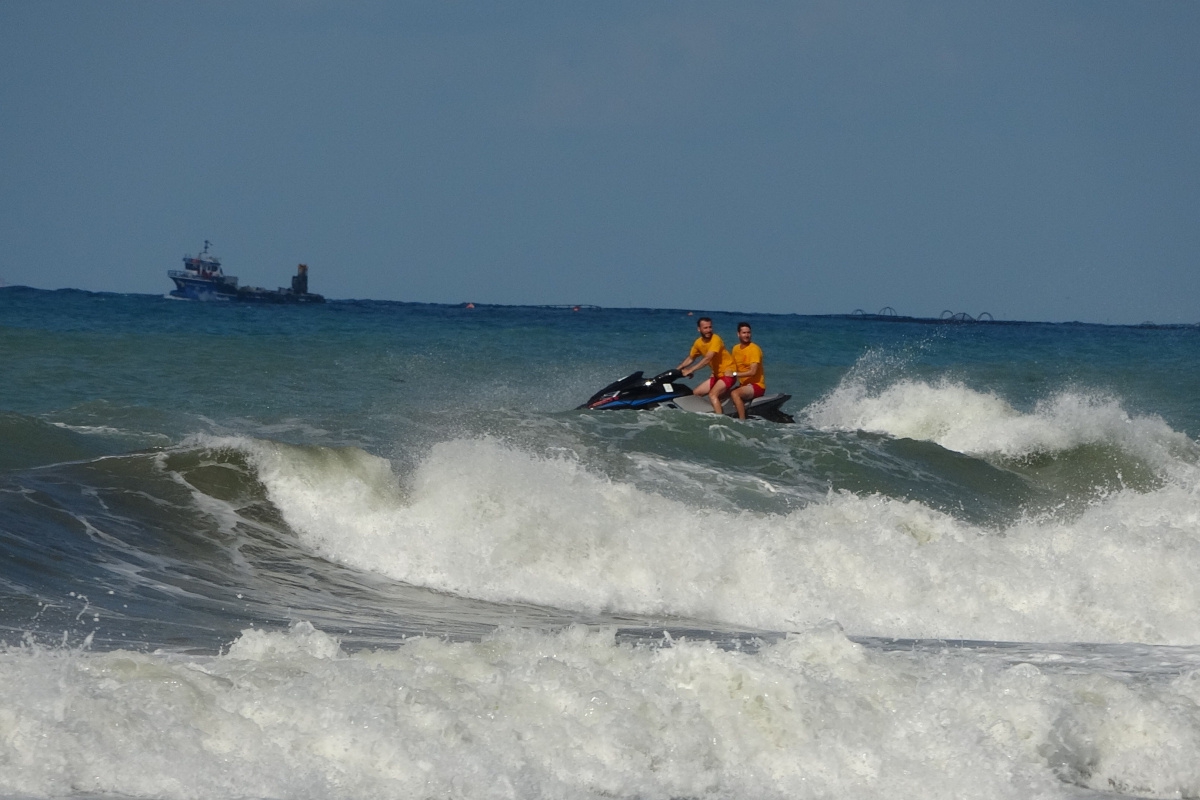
(666, 390)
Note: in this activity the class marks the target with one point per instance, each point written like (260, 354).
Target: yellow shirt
(722, 362)
(743, 356)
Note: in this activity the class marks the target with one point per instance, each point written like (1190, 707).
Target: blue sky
(1035, 160)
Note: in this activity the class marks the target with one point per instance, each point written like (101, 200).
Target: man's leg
(718, 389)
(740, 395)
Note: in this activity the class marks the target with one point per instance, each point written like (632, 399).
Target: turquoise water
(371, 549)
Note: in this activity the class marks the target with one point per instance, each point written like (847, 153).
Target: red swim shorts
(759, 391)
(725, 379)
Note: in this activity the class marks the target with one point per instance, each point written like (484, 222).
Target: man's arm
(750, 375)
(697, 366)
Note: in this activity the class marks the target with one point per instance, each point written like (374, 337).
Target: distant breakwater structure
(948, 317)
(889, 314)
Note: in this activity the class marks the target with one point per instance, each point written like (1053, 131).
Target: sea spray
(967, 420)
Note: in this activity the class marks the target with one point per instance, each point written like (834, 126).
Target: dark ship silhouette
(202, 279)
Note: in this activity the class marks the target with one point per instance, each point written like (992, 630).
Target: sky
(1032, 160)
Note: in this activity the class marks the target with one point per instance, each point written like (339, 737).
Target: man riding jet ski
(665, 389)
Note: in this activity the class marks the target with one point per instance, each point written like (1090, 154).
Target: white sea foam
(982, 423)
(576, 715)
(100, 429)
(485, 520)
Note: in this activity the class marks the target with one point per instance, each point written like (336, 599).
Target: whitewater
(373, 550)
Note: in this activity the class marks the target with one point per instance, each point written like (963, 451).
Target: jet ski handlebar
(670, 376)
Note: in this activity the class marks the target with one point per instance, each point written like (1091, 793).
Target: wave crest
(967, 420)
(484, 520)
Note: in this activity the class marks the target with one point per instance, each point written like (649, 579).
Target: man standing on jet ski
(748, 368)
(710, 349)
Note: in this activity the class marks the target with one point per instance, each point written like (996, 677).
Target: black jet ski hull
(665, 390)
(634, 391)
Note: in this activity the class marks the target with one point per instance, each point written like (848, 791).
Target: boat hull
(199, 289)
(188, 288)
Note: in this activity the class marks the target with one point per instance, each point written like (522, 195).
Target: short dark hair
(703, 319)
(741, 325)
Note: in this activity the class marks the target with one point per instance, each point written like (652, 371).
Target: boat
(665, 390)
(203, 279)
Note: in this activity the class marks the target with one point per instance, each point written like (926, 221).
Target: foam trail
(575, 715)
(487, 521)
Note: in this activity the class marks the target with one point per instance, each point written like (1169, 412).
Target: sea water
(372, 549)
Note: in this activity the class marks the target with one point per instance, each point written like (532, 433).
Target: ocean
(372, 550)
